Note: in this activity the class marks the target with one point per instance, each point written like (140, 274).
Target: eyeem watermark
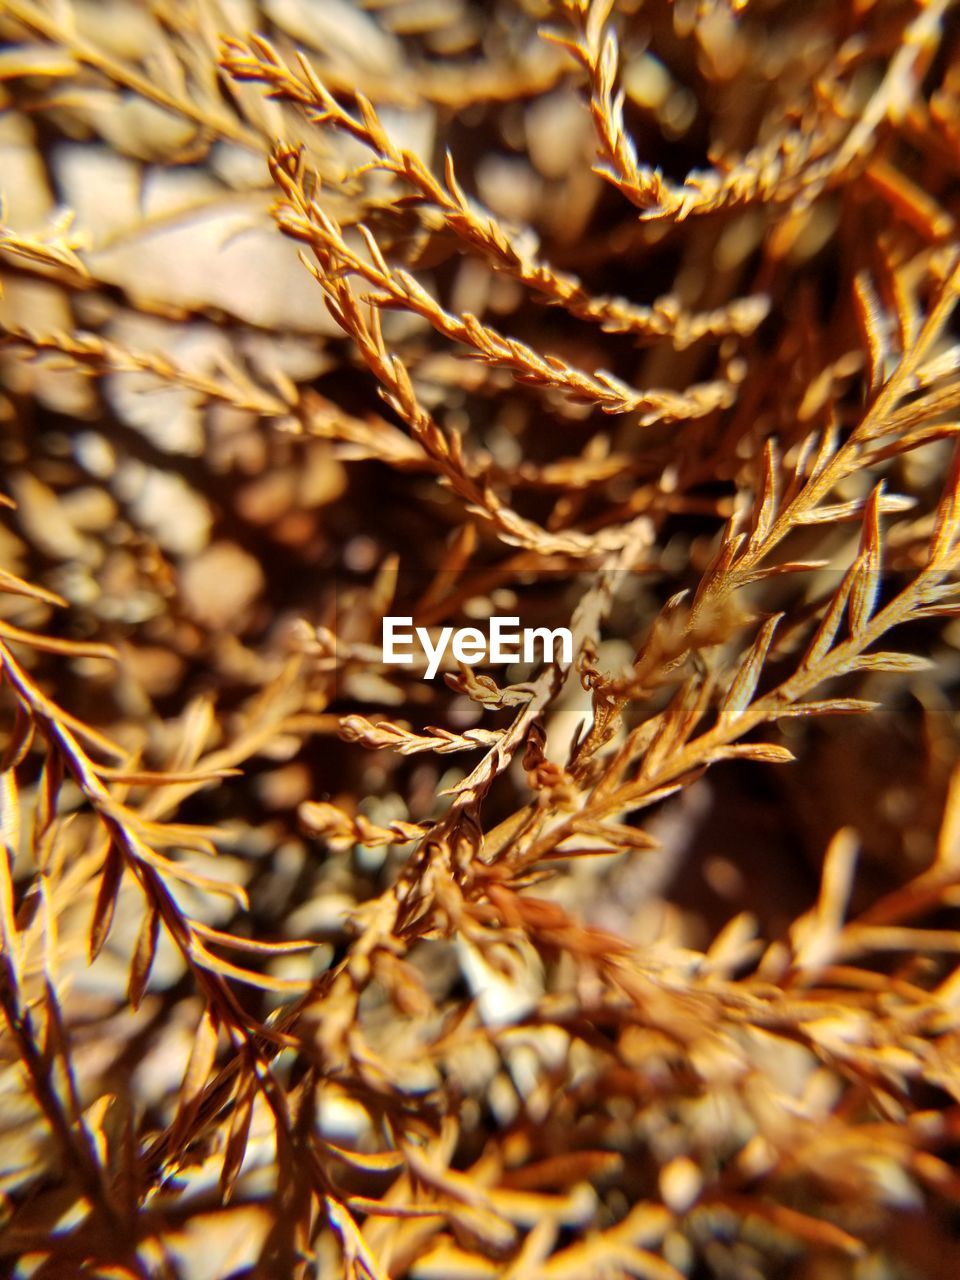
(505, 642)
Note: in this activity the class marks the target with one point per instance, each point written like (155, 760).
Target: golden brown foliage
(632, 318)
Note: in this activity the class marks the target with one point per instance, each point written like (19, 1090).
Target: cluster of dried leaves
(636, 318)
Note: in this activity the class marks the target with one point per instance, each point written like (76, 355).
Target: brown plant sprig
(641, 963)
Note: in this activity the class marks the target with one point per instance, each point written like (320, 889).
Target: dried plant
(636, 319)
